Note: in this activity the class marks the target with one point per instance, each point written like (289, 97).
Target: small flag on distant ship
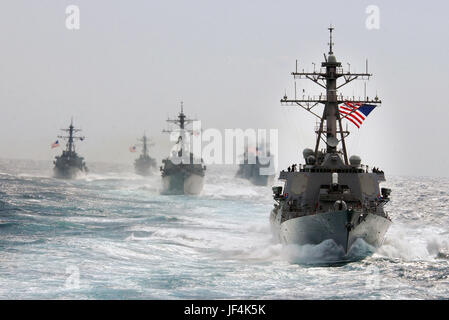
(253, 150)
(132, 149)
(355, 112)
(55, 144)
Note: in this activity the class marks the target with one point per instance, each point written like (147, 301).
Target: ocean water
(111, 235)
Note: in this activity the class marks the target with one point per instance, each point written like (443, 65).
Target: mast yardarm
(71, 137)
(181, 122)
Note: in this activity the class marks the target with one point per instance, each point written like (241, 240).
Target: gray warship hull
(67, 173)
(69, 166)
(143, 171)
(182, 183)
(343, 227)
(262, 180)
(251, 173)
(144, 166)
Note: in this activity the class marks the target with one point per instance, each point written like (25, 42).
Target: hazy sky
(132, 62)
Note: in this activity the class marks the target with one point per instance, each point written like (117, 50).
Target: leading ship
(330, 197)
(69, 164)
(182, 173)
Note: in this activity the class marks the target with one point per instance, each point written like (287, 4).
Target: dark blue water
(110, 235)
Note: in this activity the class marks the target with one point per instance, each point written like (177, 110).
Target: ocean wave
(126, 238)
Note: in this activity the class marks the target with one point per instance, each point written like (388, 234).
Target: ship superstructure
(181, 172)
(330, 196)
(69, 164)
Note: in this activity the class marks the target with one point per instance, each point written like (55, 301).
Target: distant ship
(181, 172)
(144, 164)
(331, 196)
(254, 166)
(69, 164)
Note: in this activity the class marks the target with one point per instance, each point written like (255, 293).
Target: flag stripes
(355, 112)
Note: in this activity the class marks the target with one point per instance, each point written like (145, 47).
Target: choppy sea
(111, 235)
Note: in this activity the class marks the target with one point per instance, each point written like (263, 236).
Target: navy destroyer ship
(144, 164)
(253, 165)
(330, 196)
(182, 173)
(69, 164)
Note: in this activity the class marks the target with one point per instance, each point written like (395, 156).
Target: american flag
(55, 144)
(355, 112)
(132, 149)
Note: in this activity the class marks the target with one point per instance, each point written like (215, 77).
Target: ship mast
(181, 122)
(144, 141)
(145, 144)
(71, 137)
(327, 77)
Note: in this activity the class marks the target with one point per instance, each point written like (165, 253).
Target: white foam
(411, 244)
